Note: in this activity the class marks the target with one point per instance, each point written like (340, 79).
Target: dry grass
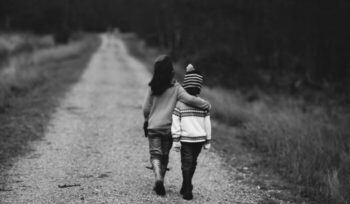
(236, 115)
(307, 143)
(24, 71)
(31, 88)
(14, 43)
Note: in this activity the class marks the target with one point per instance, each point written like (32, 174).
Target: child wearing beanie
(191, 130)
(160, 101)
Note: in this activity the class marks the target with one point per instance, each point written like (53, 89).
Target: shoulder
(178, 108)
(179, 90)
(176, 84)
(173, 87)
(198, 109)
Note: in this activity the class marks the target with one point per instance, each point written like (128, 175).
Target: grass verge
(30, 89)
(306, 142)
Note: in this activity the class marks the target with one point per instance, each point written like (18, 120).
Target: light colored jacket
(190, 124)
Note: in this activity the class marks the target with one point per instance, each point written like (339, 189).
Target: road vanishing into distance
(94, 150)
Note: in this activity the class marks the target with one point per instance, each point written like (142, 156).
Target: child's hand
(207, 146)
(177, 146)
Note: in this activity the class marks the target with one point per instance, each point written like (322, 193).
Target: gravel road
(94, 150)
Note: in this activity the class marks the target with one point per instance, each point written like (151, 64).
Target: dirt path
(95, 150)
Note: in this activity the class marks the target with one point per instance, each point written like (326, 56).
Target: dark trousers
(189, 155)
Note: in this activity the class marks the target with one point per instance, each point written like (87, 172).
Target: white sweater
(190, 124)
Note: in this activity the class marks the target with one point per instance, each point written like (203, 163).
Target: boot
(164, 165)
(182, 190)
(163, 171)
(187, 192)
(159, 185)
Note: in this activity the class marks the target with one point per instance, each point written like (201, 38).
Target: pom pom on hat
(189, 68)
(192, 79)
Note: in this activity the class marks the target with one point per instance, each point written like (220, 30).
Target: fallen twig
(4, 189)
(68, 185)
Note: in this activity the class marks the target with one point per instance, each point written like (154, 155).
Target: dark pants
(189, 155)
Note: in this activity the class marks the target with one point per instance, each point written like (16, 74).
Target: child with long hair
(163, 94)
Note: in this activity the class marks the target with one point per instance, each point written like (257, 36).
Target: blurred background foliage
(275, 45)
(279, 70)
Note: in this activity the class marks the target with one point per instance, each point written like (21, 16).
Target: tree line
(237, 43)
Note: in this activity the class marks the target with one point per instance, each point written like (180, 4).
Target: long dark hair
(163, 75)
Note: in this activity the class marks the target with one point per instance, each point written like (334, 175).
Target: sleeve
(146, 107)
(176, 127)
(208, 126)
(190, 100)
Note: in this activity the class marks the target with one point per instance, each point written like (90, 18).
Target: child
(159, 105)
(191, 126)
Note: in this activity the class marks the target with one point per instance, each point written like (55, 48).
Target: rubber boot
(187, 193)
(164, 166)
(163, 171)
(159, 184)
(182, 190)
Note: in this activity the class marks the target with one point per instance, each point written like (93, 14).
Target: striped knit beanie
(193, 79)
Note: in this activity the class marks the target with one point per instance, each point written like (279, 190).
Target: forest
(274, 45)
(278, 71)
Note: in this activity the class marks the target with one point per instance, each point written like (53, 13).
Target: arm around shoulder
(190, 100)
